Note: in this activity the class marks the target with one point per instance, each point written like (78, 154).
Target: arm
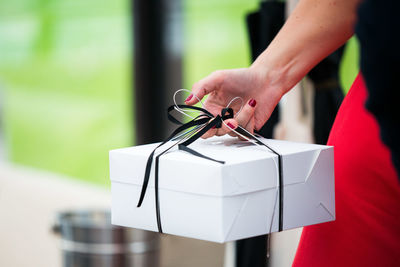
(314, 30)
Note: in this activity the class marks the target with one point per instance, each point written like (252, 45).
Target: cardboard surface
(203, 199)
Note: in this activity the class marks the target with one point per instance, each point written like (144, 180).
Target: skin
(314, 30)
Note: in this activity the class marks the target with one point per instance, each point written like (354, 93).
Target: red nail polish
(252, 102)
(214, 127)
(189, 97)
(231, 125)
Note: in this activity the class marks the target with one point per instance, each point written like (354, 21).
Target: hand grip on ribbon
(189, 132)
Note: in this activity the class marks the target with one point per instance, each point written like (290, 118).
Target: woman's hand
(224, 85)
(313, 31)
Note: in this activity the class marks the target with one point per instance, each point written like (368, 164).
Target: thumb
(204, 87)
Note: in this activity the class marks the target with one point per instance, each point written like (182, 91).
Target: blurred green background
(66, 75)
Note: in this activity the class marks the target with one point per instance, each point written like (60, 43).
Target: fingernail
(189, 97)
(214, 127)
(231, 125)
(252, 102)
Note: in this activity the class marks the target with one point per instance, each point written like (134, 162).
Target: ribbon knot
(226, 113)
(189, 132)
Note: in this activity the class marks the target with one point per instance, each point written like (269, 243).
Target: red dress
(367, 227)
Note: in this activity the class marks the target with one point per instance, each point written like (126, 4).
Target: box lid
(247, 167)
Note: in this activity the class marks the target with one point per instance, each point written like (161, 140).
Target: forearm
(314, 30)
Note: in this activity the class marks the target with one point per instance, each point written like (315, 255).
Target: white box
(206, 200)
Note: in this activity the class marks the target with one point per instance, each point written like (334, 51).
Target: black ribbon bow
(205, 121)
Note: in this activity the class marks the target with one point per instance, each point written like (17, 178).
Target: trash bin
(88, 239)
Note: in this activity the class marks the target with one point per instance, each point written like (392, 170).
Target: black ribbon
(280, 175)
(206, 121)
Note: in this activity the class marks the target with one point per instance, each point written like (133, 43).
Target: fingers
(247, 113)
(245, 118)
(249, 127)
(227, 127)
(204, 87)
(230, 124)
(210, 133)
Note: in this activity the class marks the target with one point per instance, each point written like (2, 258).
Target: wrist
(273, 78)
